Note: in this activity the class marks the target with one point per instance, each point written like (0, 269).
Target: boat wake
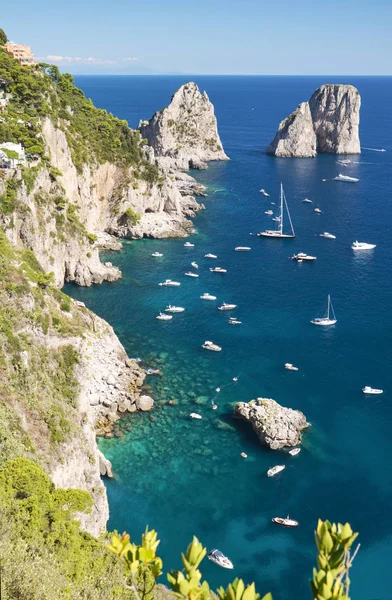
(374, 149)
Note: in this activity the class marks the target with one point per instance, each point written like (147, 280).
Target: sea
(186, 477)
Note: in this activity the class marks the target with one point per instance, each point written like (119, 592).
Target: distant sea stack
(329, 123)
(184, 134)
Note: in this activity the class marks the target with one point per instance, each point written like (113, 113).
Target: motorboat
(346, 161)
(174, 309)
(287, 522)
(157, 254)
(218, 270)
(227, 306)
(195, 416)
(194, 265)
(190, 274)
(330, 236)
(209, 255)
(302, 256)
(294, 451)
(242, 248)
(277, 219)
(362, 246)
(234, 321)
(189, 245)
(275, 470)
(207, 296)
(244, 455)
(217, 557)
(211, 346)
(341, 177)
(369, 390)
(290, 367)
(163, 317)
(307, 200)
(318, 210)
(152, 371)
(262, 191)
(278, 233)
(170, 283)
(269, 212)
(325, 321)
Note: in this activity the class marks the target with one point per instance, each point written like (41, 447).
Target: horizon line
(227, 75)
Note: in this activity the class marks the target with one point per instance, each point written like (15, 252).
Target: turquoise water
(185, 477)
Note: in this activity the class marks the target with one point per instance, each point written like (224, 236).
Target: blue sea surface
(185, 476)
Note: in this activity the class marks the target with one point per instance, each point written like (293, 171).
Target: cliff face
(329, 122)
(184, 134)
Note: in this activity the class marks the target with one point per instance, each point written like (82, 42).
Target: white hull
(362, 246)
(369, 390)
(242, 249)
(285, 522)
(274, 234)
(324, 322)
(345, 178)
(275, 470)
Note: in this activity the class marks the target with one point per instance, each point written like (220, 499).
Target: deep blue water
(186, 477)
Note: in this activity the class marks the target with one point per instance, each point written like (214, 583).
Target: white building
(5, 160)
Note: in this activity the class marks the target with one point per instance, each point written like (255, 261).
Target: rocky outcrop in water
(276, 426)
(184, 134)
(328, 122)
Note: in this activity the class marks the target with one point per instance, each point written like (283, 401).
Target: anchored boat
(327, 320)
(217, 557)
(369, 390)
(275, 470)
(211, 346)
(174, 309)
(170, 283)
(278, 233)
(163, 317)
(362, 246)
(302, 256)
(341, 177)
(227, 306)
(287, 522)
(207, 296)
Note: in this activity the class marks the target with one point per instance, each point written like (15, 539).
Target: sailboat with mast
(330, 317)
(278, 233)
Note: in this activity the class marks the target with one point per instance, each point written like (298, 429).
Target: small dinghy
(195, 416)
(170, 283)
(227, 306)
(262, 191)
(294, 451)
(207, 296)
(242, 248)
(174, 309)
(211, 346)
(189, 245)
(307, 200)
(217, 557)
(218, 270)
(290, 367)
(275, 470)
(369, 390)
(152, 371)
(287, 522)
(362, 246)
(318, 211)
(209, 255)
(302, 256)
(190, 274)
(157, 254)
(269, 212)
(327, 235)
(194, 265)
(244, 455)
(163, 317)
(234, 321)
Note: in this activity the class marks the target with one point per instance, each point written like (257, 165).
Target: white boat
(269, 212)
(330, 236)
(278, 233)
(152, 371)
(341, 177)
(157, 254)
(163, 317)
(369, 390)
(189, 245)
(290, 367)
(207, 296)
(227, 306)
(242, 248)
(317, 210)
(307, 200)
(277, 219)
(262, 191)
(325, 321)
(170, 283)
(217, 557)
(287, 522)
(195, 416)
(211, 346)
(294, 451)
(174, 309)
(194, 265)
(190, 274)
(362, 246)
(234, 321)
(275, 470)
(302, 256)
(209, 255)
(218, 270)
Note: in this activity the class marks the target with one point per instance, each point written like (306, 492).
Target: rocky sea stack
(328, 122)
(184, 134)
(276, 426)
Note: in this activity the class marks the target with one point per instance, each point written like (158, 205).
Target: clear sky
(282, 37)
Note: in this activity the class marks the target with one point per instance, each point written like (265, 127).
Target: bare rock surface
(295, 136)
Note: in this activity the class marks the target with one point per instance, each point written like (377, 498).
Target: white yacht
(242, 248)
(262, 191)
(163, 317)
(157, 254)
(217, 557)
(209, 255)
(195, 416)
(227, 306)
(318, 210)
(190, 274)
(307, 200)
(211, 346)
(287, 522)
(275, 470)
(302, 256)
(194, 265)
(294, 451)
(327, 320)
(290, 367)
(369, 390)
(174, 309)
(362, 246)
(189, 245)
(218, 270)
(170, 283)
(234, 321)
(341, 177)
(330, 236)
(278, 233)
(269, 212)
(207, 296)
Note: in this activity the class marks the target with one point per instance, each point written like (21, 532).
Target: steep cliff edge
(328, 122)
(184, 134)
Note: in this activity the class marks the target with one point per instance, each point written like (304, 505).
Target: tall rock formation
(184, 134)
(328, 122)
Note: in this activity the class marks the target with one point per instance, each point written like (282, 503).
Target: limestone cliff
(329, 122)
(184, 134)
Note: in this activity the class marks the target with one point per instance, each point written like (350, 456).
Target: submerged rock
(275, 425)
(144, 403)
(329, 122)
